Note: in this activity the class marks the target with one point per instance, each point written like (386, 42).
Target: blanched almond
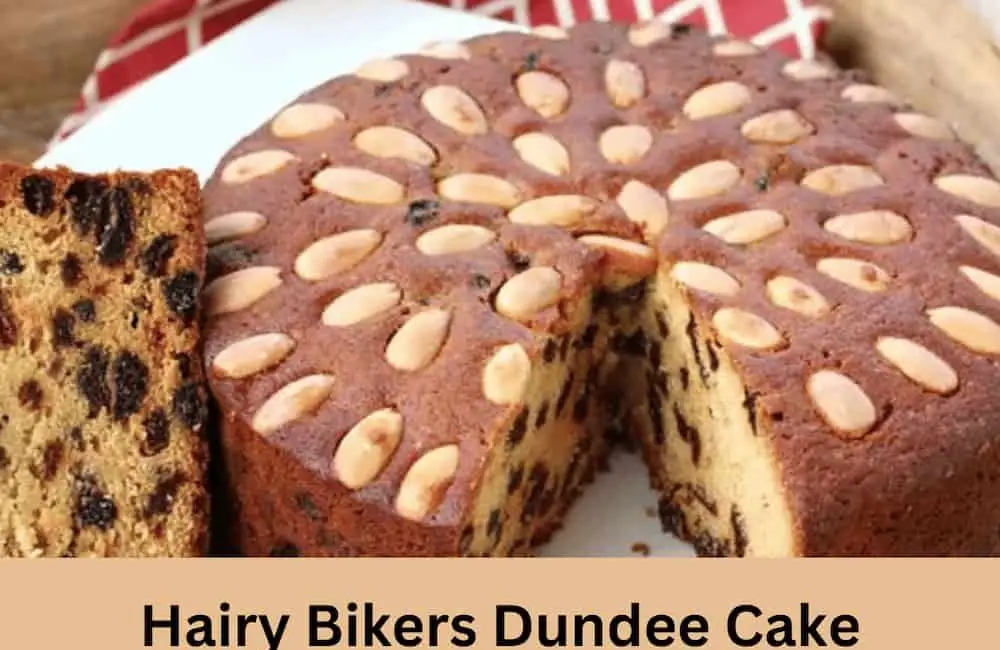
(777, 127)
(843, 404)
(446, 50)
(299, 120)
(619, 245)
(233, 225)
(645, 206)
(625, 144)
(746, 227)
(735, 48)
(705, 277)
(807, 70)
(746, 329)
(252, 355)
(924, 126)
(454, 238)
(705, 181)
(562, 210)
(544, 152)
(362, 303)
(480, 188)
(528, 293)
(416, 344)
(336, 254)
(877, 227)
(394, 142)
(717, 99)
(426, 483)
(856, 273)
(869, 94)
(985, 233)
(789, 293)
(254, 165)
(298, 399)
(506, 374)
(454, 108)
(624, 82)
(984, 191)
(359, 185)
(367, 448)
(975, 331)
(836, 180)
(988, 283)
(543, 92)
(919, 364)
(240, 289)
(647, 33)
(383, 70)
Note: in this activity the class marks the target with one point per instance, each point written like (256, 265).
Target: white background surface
(990, 11)
(193, 113)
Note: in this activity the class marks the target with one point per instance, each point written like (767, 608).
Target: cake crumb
(650, 512)
(641, 548)
(92, 383)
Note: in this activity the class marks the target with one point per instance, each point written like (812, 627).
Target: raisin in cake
(442, 286)
(102, 451)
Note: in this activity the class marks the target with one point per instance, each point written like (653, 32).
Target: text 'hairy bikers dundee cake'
(442, 287)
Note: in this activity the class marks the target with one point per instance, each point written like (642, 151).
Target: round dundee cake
(443, 286)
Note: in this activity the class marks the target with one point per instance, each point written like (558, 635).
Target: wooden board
(940, 54)
(47, 49)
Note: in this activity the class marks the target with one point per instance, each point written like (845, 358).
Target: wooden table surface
(47, 49)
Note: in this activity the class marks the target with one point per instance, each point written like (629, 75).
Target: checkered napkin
(165, 31)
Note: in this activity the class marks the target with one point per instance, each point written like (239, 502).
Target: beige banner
(293, 604)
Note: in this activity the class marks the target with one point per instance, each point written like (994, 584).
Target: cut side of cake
(442, 288)
(102, 407)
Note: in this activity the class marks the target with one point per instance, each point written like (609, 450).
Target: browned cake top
(842, 246)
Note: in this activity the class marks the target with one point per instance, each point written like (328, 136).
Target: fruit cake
(443, 286)
(102, 447)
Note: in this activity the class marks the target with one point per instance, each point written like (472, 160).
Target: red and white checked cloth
(165, 31)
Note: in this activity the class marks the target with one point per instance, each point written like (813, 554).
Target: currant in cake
(102, 448)
(443, 286)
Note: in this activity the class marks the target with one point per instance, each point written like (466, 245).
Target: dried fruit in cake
(103, 403)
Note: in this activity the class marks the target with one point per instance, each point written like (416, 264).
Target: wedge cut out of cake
(443, 286)
(103, 402)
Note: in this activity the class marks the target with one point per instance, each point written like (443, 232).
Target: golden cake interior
(575, 413)
(100, 445)
(720, 481)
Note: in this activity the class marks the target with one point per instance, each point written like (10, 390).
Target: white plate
(194, 112)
